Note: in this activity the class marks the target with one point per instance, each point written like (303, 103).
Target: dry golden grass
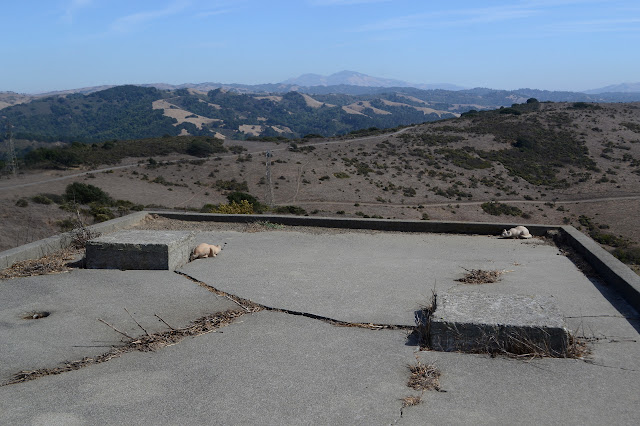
(424, 377)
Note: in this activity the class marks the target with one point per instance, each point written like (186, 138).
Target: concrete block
(478, 322)
(140, 250)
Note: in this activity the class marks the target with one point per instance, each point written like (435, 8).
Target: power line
(269, 195)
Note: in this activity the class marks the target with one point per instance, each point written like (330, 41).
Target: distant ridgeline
(135, 112)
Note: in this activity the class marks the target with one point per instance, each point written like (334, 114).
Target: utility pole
(269, 195)
(13, 161)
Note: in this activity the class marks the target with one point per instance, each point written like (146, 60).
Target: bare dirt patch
(182, 115)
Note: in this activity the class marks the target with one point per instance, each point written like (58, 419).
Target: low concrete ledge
(49, 245)
(483, 228)
(485, 323)
(143, 250)
(615, 273)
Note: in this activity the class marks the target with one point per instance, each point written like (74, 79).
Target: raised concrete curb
(142, 250)
(615, 273)
(483, 228)
(49, 245)
(486, 323)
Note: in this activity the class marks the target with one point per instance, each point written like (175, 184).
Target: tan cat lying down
(517, 232)
(205, 250)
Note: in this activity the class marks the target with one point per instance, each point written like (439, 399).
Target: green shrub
(22, 202)
(200, 148)
(629, 255)
(84, 194)
(66, 225)
(42, 199)
(341, 175)
(290, 210)
(243, 207)
(498, 209)
(101, 213)
(238, 197)
(208, 208)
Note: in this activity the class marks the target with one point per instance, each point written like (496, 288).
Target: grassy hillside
(556, 163)
(133, 112)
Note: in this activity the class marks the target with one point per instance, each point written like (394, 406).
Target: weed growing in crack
(479, 276)
(424, 377)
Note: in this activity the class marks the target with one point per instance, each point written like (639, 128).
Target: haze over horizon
(573, 45)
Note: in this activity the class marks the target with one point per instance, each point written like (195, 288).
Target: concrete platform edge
(483, 228)
(615, 273)
(49, 245)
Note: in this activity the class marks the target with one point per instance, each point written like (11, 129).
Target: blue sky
(546, 44)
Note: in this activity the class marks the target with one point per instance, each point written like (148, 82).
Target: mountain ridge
(307, 82)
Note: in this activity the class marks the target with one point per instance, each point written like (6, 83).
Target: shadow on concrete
(618, 302)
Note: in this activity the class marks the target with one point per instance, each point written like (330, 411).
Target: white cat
(517, 232)
(205, 250)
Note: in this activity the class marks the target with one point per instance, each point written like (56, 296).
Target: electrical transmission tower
(11, 153)
(269, 195)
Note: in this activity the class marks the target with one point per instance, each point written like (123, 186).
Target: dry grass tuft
(424, 377)
(577, 348)
(479, 276)
(51, 264)
(410, 401)
(261, 226)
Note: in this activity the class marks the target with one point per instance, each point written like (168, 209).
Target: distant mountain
(616, 88)
(353, 78)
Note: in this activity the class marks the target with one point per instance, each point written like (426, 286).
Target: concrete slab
(77, 299)
(140, 250)
(275, 368)
(477, 322)
(481, 390)
(267, 368)
(384, 277)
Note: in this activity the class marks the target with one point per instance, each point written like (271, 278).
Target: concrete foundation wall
(49, 245)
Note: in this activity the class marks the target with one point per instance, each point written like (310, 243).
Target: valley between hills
(553, 163)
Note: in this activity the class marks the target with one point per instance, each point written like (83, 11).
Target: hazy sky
(504, 44)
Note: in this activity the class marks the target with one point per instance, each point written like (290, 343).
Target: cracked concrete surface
(272, 367)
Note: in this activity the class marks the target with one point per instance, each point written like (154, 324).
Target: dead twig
(146, 343)
(115, 329)
(134, 320)
(165, 323)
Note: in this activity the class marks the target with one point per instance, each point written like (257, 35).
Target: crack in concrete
(145, 343)
(251, 306)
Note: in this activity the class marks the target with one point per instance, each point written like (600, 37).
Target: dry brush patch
(479, 276)
(424, 377)
(54, 263)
